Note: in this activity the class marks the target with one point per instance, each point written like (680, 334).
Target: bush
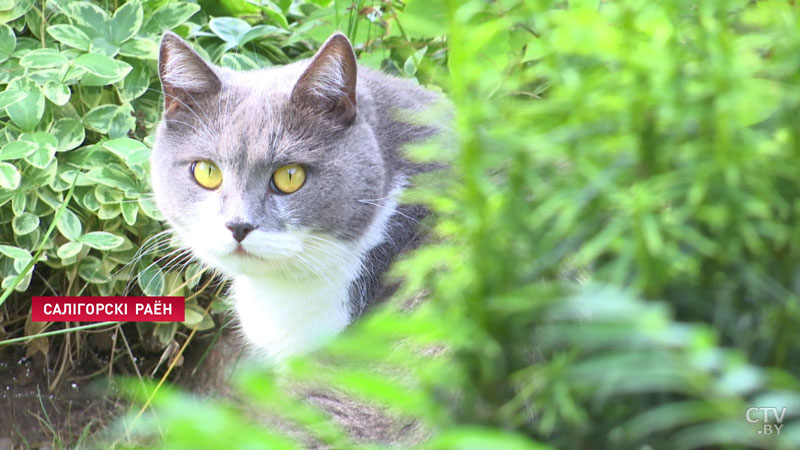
(615, 262)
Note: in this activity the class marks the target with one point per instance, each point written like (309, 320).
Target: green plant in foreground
(643, 145)
(648, 147)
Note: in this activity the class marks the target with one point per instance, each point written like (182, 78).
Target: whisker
(151, 245)
(129, 284)
(396, 210)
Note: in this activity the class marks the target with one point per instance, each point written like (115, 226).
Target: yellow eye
(207, 174)
(289, 178)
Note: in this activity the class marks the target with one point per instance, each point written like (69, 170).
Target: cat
(286, 179)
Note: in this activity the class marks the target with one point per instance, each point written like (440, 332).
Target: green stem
(44, 21)
(405, 36)
(54, 333)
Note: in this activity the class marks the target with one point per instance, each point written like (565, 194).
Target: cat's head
(267, 170)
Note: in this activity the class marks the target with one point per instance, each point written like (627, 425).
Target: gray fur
(251, 123)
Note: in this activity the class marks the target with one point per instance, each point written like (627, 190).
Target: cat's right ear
(184, 74)
(328, 84)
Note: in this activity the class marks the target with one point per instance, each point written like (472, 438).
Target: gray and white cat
(286, 180)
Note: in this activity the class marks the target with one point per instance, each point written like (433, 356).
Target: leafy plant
(645, 145)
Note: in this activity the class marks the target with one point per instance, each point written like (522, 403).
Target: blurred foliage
(616, 248)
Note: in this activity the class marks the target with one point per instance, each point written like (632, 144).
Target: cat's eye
(207, 174)
(289, 178)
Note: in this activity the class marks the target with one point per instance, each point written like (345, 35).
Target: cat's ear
(329, 83)
(184, 74)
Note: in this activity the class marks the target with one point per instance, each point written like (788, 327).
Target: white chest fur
(283, 316)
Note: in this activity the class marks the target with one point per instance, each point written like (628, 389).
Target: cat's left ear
(328, 84)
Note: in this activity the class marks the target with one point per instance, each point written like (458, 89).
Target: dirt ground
(33, 416)
(50, 403)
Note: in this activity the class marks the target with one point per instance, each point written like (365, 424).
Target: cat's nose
(240, 230)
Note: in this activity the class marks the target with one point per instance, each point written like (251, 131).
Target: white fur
(328, 80)
(184, 71)
(291, 293)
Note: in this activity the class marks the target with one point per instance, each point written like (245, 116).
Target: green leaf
(90, 79)
(126, 22)
(260, 31)
(409, 67)
(165, 332)
(99, 119)
(130, 211)
(173, 284)
(91, 269)
(195, 317)
(69, 250)
(46, 145)
(191, 277)
(19, 9)
(8, 41)
(70, 36)
(229, 29)
(129, 150)
(103, 46)
(103, 66)
(229, 7)
(89, 17)
(122, 121)
(113, 176)
(192, 315)
(108, 212)
(170, 16)
(101, 240)
(18, 202)
(139, 48)
(69, 133)
(90, 202)
(8, 70)
(23, 284)
(275, 15)
(73, 75)
(10, 97)
(41, 177)
(238, 62)
(9, 176)
(56, 92)
(151, 280)
(43, 58)
(25, 223)
(21, 263)
(149, 208)
(14, 252)
(26, 113)
(69, 225)
(135, 83)
(105, 194)
(91, 95)
(17, 150)
(42, 76)
(423, 18)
